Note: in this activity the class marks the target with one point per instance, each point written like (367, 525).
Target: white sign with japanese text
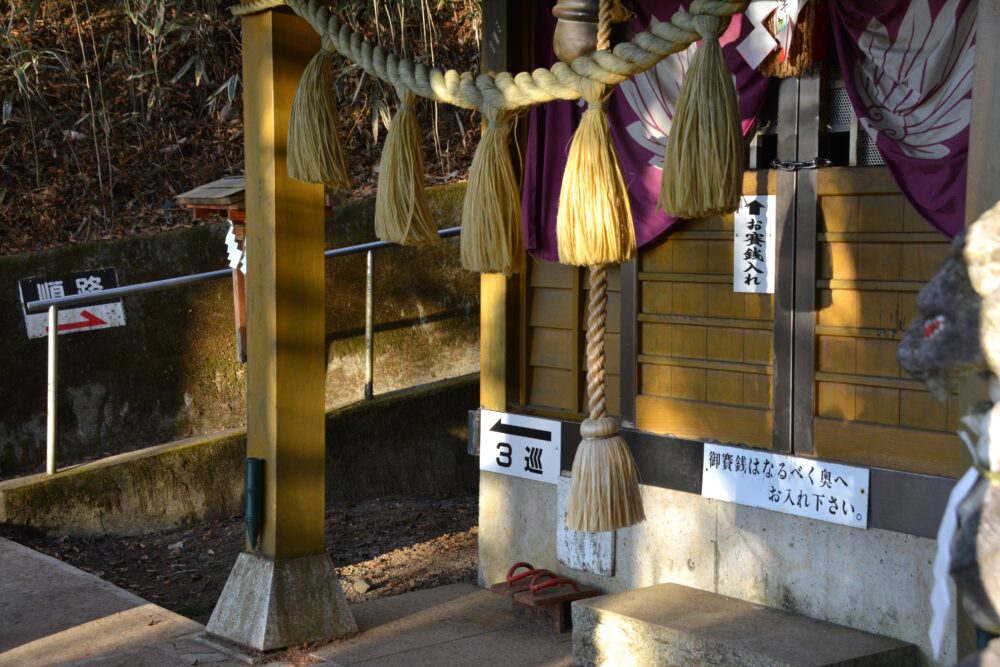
(521, 446)
(805, 487)
(753, 245)
(101, 315)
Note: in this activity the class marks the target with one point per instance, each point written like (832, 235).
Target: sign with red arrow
(101, 315)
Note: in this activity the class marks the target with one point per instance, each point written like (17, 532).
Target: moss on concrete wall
(411, 442)
(171, 372)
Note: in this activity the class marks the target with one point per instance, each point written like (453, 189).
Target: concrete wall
(171, 373)
(409, 442)
(873, 580)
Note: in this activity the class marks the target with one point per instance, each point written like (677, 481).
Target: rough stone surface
(411, 441)
(270, 604)
(671, 625)
(872, 580)
(451, 625)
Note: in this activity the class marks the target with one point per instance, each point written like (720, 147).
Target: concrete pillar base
(270, 604)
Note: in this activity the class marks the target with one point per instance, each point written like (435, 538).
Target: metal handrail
(52, 306)
(90, 298)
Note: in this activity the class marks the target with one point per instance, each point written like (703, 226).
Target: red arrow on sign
(89, 320)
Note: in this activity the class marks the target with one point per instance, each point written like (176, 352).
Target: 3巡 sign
(102, 315)
(520, 446)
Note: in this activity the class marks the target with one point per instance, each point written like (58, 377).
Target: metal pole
(369, 326)
(50, 432)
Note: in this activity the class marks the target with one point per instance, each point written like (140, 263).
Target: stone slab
(452, 625)
(271, 604)
(54, 614)
(670, 624)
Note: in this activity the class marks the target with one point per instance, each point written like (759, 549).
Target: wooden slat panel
(877, 357)
(838, 259)
(551, 274)
(656, 297)
(856, 332)
(690, 256)
(655, 338)
(720, 257)
(725, 387)
(552, 308)
(921, 261)
(549, 387)
(839, 214)
(689, 299)
(688, 341)
(919, 409)
(869, 381)
(724, 344)
(856, 180)
(704, 363)
(887, 447)
(881, 213)
(871, 285)
(834, 399)
(700, 421)
(879, 405)
(693, 278)
(552, 348)
(836, 354)
(706, 321)
(878, 261)
(906, 237)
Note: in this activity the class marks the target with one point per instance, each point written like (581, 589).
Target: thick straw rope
(604, 490)
(585, 77)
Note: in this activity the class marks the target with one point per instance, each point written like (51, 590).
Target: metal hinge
(795, 165)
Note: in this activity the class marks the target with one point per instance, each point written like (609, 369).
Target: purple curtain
(640, 111)
(907, 67)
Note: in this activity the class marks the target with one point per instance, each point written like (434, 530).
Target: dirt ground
(381, 547)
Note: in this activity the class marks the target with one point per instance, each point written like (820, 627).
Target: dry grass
(112, 107)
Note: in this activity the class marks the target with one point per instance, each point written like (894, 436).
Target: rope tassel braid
(596, 224)
(402, 214)
(604, 493)
(491, 213)
(314, 151)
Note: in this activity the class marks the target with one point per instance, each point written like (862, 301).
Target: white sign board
(805, 487)
(101, 315)
(753, 245)
(521, 446)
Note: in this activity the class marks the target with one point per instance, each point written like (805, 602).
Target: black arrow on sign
(755, 207)
(523, 431)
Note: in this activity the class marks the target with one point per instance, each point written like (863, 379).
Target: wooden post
(286, 360)
(285, 592)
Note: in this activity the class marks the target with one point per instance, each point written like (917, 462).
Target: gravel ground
(381, 547)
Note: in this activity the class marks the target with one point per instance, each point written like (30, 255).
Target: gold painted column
(286, 361)
(286, 591)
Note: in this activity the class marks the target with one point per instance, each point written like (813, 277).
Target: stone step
(669, 624)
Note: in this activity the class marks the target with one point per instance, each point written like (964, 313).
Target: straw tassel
(594, 222)
(314, 151)
(703, 165)
(491, 214)
(402, 214)
(604, 492)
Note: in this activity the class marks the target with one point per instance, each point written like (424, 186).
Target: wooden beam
(983, 184)
(285, 285)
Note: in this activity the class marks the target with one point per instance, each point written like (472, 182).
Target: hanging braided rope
(509, 91)
(604, 490)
